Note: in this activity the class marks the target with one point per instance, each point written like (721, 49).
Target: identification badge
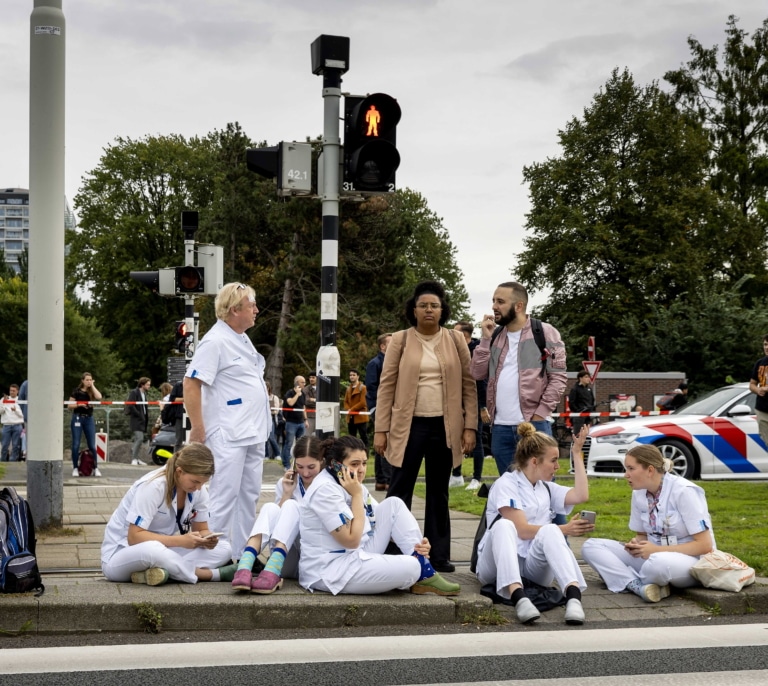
(77, 424)
(669, 540)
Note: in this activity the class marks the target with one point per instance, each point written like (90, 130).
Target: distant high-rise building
(14, 223)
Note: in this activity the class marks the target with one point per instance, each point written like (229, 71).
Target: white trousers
(549, 559)
(180, 562)
(381, 573)
(235, 489)
(275, 523)
(618, 568)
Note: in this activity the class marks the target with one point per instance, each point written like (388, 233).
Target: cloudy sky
(484, 86)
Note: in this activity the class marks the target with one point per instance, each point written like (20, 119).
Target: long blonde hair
(194, 458)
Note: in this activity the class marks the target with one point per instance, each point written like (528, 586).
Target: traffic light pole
(330, 57)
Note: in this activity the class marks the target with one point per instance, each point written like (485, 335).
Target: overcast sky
(484, 86)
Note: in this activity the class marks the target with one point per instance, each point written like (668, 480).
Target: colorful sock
(572, 592)
(275, 561)
(635, 586)
(215, 575)
(248, 559)
(517, 594)
(427, 570)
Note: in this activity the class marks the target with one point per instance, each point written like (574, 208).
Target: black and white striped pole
(330, 57)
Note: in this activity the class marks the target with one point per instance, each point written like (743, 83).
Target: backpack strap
(541, 342)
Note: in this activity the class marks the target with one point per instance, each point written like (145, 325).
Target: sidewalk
(78, 598)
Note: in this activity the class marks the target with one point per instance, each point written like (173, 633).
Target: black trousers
(427, 442)
(362, 429)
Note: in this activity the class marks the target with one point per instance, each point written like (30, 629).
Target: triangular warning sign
(592, 368)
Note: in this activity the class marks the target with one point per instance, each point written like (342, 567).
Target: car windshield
(712, 401)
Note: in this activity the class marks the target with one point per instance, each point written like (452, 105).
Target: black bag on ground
(18, 565)
(86, 463)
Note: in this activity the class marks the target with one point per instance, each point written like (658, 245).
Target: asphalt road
(737, 655)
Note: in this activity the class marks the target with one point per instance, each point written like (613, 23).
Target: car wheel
(681, 455)
(158, 459)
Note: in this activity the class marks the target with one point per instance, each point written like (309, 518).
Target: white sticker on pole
(47, 30)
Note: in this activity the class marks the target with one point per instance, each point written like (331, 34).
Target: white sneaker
(526, 611)
(96, 472)
(574, 612)
(75, 472)
(455, 481)
(138, 462)
(474, 485)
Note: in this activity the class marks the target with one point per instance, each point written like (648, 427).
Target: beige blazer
(396, 398)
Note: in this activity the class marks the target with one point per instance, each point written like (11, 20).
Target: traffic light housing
(180, 342)
(370, 143)
(189, 279)
(289, 163)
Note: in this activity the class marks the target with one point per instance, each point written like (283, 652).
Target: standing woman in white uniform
(279, 522)
(672, 526)
(342, 546)
(226, 399)
(158, 530)
(522, 540)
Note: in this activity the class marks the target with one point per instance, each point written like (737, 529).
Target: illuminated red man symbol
(372, 118)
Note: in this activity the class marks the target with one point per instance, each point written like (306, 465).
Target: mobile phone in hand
(589, 516)
(213, 534)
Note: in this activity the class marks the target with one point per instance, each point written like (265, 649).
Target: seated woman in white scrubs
(522, 540)
(279, 522)
(672, 526)
(160, 529)
(344, 533)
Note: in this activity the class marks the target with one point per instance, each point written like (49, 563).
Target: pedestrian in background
(138, 412)
(354, 403)
(581, 399)
(295, 418)
(310, 402)
(82, 419)
(12, 419)
(758, 384)
(273, 449)
(382, 468)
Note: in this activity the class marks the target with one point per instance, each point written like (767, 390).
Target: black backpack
(18, 566)
(538, 337)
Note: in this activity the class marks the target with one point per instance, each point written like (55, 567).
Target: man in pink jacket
(524, 382)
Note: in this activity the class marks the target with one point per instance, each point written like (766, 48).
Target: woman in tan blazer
(426, 409)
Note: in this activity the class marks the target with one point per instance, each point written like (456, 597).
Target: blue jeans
(80, 425)
(293, 431)
(12, 440)
(504, 444)
(273, 449)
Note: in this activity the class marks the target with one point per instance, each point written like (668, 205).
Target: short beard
(505, 319)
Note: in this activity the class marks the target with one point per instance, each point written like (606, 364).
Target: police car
(714, 437)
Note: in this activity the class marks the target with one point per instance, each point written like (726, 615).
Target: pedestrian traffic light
(370, 139)
(180, 329)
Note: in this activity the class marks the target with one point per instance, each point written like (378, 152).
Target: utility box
(210, 258)
(295, 163)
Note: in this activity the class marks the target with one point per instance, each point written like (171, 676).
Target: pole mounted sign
(591, 349)
(592, 367)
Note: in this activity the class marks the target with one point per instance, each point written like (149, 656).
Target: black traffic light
(189, 279)
(370, 143)
(180, 331)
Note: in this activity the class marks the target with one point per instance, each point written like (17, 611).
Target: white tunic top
(682, 512)
(144, 505)
(325, 509)
(513, 489)
(234, 395)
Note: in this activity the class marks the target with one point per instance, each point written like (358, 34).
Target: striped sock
(275, 561)
(248, 559)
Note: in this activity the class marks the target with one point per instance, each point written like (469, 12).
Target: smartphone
(214, 534)
(589, 516)
(293, 472)
(335, 468)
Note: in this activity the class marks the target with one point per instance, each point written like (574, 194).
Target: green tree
(129, 208)
(709, 334)
(6, 271)
(622, 219)
(728, 93)
(85, 348)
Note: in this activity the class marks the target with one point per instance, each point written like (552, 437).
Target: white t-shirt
(234, 394)
(508, 410)
(513, 489)
(144, 505)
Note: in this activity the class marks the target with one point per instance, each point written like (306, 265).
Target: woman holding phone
(160, 529)
(672, 526)
(521, 539)
(344, 534)
(279, 522)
